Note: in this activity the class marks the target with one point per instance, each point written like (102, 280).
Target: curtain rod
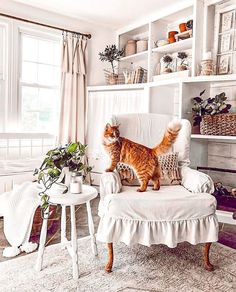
(45, 25)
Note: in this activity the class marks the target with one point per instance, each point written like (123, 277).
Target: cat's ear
(117, 126)
(108, 126)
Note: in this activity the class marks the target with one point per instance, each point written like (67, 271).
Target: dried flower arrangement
(167, 60)
(183, 57)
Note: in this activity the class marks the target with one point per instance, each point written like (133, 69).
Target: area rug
(138, 268)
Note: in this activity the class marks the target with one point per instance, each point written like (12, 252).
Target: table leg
(74, 244)
(91, 230)
(63, 226)
(42, 241)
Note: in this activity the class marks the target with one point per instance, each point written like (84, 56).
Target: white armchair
(169, 216)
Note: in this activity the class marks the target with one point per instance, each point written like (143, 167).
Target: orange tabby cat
(141, 158)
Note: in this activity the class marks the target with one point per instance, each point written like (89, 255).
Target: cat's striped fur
(141, 158)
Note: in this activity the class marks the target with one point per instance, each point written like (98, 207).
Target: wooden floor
(227, 235)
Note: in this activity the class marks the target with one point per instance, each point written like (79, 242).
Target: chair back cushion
(148, 129)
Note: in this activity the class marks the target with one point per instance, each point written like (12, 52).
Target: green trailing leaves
(209, 106)
(71, 156)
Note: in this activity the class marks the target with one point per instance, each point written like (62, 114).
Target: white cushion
(168, 216)
(168, 204)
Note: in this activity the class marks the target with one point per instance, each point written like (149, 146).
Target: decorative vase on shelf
(130, 47)
(182, 67)
(142, 46)
(182, 27)
(167, 70)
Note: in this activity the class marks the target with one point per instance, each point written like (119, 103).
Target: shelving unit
(137, 55)
(213, 137)
(173, 96)
(182, 45)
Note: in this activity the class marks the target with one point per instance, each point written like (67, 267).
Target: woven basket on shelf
(220, 124)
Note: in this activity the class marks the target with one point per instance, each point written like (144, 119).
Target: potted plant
(167, 60)
(111, 54)
(209, 106)
(52, 173)
(182, 56)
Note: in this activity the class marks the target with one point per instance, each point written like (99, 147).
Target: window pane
(40, 106)
(29, 72)
(29, 48)
(56, 75)
(45, 75)
(40, 109)
(57, 54)
(46, 52)
(29, 108)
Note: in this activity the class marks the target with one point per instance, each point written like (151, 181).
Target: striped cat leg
(114, 162)
(143, 180)
(156, 179)
(143, 186)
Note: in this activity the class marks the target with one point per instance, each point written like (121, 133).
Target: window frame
(13, 61)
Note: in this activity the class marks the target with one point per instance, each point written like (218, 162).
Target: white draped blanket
(18, 207)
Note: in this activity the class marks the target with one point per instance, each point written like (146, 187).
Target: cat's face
(111, 133)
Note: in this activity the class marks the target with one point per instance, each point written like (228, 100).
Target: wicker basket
(220, 124)
(114, 79)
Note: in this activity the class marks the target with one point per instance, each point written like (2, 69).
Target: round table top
(68, 199)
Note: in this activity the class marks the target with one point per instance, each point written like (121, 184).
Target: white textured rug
(139, 268)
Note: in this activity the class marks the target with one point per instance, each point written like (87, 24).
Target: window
(39, 83)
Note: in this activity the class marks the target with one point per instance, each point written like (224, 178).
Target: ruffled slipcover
(169, 216)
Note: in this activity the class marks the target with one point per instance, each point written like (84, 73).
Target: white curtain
(73, 89)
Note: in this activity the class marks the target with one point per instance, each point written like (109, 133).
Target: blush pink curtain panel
(73, 89)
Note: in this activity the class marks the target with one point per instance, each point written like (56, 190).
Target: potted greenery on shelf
(208, 107)
(111, 54)
(52, 173)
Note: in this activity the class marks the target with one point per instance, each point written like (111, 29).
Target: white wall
(100, 36)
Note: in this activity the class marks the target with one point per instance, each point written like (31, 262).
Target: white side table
(71, 200)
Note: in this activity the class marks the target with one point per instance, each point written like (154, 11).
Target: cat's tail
(169, 138)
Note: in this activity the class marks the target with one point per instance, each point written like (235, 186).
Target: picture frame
(225, 43)
(226, 20)
(223, 64)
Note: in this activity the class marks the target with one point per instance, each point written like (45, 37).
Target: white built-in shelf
(117, 87)
(138, 55)
(168, 82)
(165, 82)
(212, 78)
(213, 137)
(175, 47)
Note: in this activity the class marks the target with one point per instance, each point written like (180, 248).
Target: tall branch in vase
(111, 54)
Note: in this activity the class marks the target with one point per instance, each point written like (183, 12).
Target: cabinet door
(101, 106)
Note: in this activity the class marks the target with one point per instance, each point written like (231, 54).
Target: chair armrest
(110, 183)
(196, 181)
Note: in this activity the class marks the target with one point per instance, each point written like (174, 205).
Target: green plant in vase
(111, 54)
(51, 172)
(209, 106)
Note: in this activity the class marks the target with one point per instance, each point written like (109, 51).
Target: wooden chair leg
(108, 267)
(208, 265)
